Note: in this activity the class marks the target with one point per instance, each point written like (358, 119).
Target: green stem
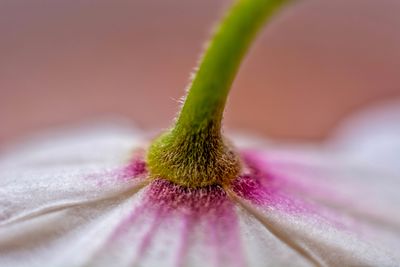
(221, 61)
(194, 153)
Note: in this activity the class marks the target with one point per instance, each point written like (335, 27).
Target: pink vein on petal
(184, 242)
(136, 168)
(299, 170)
(307, 180)
(147, 238)
(263, 187)
(208, 207)
(126, 223)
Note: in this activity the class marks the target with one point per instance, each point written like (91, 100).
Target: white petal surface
(335, 214)
(80, 199)
(52, 191)
(372, 137)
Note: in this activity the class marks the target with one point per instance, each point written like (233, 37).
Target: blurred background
(65, 62)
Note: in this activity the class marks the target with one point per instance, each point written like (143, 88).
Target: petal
(55, 191)
(77, 200)
(372, 137)
(176, 226)
(336, 204)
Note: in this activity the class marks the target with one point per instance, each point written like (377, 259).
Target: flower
(105, 198)
(80, 199)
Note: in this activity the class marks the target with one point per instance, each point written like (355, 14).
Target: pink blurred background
(64, 62)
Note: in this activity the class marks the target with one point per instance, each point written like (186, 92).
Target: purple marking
(207, 207)
(136, 168)
(262, 187)
(298, 182)
(206, 210)
(146, 239)
(184, 241)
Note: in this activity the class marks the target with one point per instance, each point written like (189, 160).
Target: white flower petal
(372, 137)
(53, 189)
(80, 200)
(338, 215)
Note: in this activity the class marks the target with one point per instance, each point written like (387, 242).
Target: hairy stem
(194, 153)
